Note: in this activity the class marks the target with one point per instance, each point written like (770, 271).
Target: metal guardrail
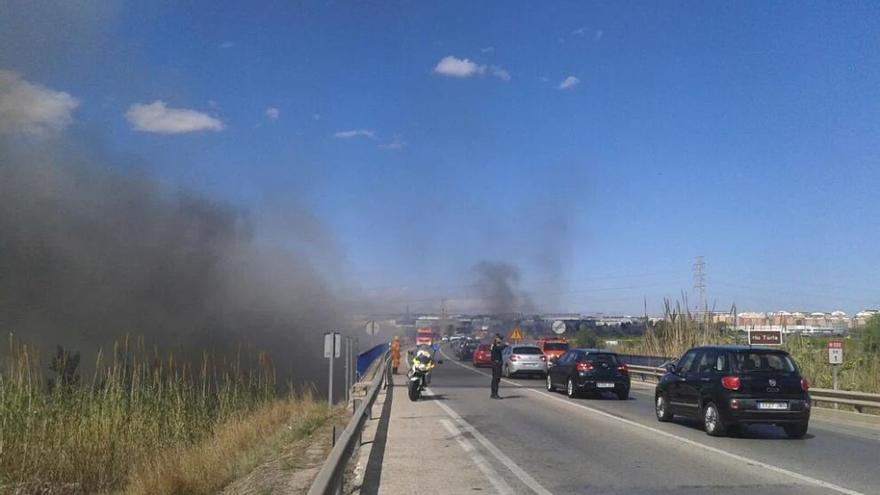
(858, 400)
(330, 478)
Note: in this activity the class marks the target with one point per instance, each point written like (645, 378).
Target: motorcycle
(418, 379)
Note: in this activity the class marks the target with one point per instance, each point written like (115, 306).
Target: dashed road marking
(517, 471)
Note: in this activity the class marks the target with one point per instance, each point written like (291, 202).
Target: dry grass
(234, 449)
(137, 409)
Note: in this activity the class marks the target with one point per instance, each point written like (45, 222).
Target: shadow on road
(373, 472)
(752, 432)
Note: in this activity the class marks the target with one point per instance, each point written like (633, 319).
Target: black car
(729, 386)
(465, 350)
(581, 371)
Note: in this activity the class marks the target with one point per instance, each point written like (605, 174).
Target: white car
(523, 359)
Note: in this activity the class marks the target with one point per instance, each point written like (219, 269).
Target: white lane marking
(477, 458)
(517, 471)
(746, 460)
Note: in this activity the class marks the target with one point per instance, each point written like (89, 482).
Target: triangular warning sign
(516, 334)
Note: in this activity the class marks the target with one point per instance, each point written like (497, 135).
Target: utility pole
(444, 317)
(700, 284)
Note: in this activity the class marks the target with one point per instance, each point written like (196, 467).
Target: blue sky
(746, 132)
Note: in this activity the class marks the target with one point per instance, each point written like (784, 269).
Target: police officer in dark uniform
(497, 348)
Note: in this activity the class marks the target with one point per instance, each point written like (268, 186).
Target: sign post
(332, 350)
(835, 359)
(347, 367)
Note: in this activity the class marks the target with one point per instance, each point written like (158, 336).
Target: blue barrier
(366, 358)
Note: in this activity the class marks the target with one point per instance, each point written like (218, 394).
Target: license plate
(605, 385)
(774, 406)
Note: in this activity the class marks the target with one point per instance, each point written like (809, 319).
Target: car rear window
(763, 361)
(556, 346)
(603, 358)
(527, 350)
(483, 347)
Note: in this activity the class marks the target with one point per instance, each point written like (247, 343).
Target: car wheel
(797, 430)
(623, 394)
(661, 407)
(570, 390)
(712, 420)
(550, 387)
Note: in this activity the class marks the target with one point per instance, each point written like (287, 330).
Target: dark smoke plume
(498, 285)
(89, 254)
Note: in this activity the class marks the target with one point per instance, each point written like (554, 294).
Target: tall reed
(88, 432)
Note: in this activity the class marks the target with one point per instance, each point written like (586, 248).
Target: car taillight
(730, 382)
(805, 385)
(584, 366)
(623, 368)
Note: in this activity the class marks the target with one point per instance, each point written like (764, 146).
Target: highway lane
(611, 446)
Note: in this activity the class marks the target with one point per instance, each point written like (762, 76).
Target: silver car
(523, 359)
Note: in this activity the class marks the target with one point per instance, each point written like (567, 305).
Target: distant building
(815, 323)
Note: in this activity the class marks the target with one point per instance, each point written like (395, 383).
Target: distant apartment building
(815, 323)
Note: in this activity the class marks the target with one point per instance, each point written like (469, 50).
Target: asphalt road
(541, 442)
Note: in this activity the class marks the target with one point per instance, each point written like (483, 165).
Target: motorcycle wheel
(414, 390)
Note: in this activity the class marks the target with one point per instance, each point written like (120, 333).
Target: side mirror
(670, 367)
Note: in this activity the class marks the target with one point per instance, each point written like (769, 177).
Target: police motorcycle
(419, 374)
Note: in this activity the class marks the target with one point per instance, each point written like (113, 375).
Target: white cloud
(32, 109)
(451, 66)
(227, 44)
(598, 35)
(488, 49)
(158, 118)
(569, 82)
(355, 133)
(458, 67)
(499, 72)
(396, 143)
(273, 113)
(580, 31)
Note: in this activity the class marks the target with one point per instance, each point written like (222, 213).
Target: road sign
(372, 327)
(328, 345)
(835, 352)
(516, 334)
(558, 327)
(765, 337)
(332, 345)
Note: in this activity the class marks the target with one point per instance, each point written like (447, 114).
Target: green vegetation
(137, 409)
(586, 337)
(871, 335)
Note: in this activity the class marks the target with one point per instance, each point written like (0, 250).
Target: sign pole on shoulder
(332, 349)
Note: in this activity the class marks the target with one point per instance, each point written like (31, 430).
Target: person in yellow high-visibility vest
(395, 354)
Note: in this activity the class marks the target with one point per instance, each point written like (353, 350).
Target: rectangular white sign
(835, 352)
(338, 346)
(328, 345)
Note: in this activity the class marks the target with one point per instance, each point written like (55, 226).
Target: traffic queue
(725, 387)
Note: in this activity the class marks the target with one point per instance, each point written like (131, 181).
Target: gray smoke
(497, 283)
(89, 254)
